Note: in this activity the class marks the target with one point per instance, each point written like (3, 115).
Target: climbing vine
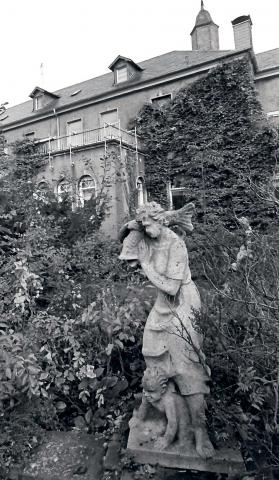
(214, 140)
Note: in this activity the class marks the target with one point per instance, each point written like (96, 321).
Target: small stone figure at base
(159, 392)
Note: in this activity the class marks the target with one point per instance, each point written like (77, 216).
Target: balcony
(78, 140)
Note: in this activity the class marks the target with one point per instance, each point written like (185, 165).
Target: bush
(239, 321)
(71, 323)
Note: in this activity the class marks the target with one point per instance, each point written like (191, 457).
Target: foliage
(71, 327)
(213, 139)
(239, 322)
(72, 315)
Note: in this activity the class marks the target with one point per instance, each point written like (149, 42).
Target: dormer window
(41, 98)
(124, 69)
(121, 74)
(36, 103)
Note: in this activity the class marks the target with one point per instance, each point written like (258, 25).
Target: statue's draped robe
(169, 337)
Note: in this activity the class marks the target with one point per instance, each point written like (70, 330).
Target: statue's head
(154, 383)
(152, 217)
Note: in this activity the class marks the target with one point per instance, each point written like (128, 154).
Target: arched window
(141, 193)
(86, 189)
(63, 188)
(41, 191)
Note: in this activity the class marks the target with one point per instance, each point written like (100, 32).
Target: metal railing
(88, 137)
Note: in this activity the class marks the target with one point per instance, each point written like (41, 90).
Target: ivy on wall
(213, 139)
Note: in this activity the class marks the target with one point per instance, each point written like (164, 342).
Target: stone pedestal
(178, 456)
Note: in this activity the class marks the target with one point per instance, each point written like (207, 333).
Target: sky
(57, 43)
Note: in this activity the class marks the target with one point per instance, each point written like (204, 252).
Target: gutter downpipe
(57, 129)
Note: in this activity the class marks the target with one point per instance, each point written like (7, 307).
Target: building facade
(84, 129)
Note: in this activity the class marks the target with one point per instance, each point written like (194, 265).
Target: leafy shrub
(240, 326)
(71, 326)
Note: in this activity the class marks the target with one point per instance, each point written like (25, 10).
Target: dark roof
(243, 18)
(42, 90)
(269, 59)
(152, 68)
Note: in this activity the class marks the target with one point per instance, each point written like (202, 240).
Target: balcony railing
(88, 137)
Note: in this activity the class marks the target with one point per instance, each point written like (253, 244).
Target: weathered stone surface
(66, 456)
(178, 455)
(112, 457)
(177, 376)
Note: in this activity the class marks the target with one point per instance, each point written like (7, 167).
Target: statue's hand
(143, 252)
(134, 225)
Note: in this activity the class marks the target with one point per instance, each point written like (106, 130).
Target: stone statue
(170, 343)
(159, 392)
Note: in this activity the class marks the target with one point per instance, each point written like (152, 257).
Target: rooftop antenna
(42, 80)
(202, 5)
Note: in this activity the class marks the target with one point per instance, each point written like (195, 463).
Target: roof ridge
(265, 51)
(154, 67)
(78, 84)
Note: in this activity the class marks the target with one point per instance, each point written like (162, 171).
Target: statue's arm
(163, 283)
(172, 420)
(143, 409)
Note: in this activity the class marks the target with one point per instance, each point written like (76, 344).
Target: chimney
(242, 30)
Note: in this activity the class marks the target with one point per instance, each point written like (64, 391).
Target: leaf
(44, 393)
(99, 372)
(88, 416)
(84, 395)
(33, 370)
(109, 348)
(109, 382)
(60, 406)
(119, 344)
(80, 422)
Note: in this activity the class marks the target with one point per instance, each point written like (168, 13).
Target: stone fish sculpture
(171, 345)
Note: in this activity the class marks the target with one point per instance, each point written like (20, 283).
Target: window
(109, 118)
(177, 193)
(109, 122)
(74, 133)
(178, 197)
(121, 74)
(64, 188)
(86, 189)
(37, 102)
(141, 192)
(160, 100)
